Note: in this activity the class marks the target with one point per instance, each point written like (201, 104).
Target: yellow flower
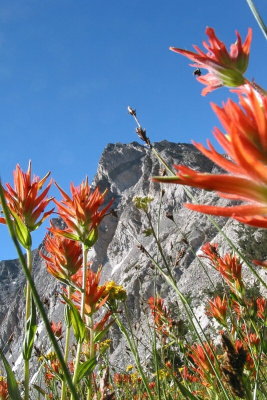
(50, 356)
(114, 291)
(163, 374)
(103, 346)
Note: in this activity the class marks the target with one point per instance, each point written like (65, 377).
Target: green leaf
(67, 316)
(22, 232)
(13, 389)
(39, 389)
(76, 321)
(85, 368)
(92, 238)
(31, 327)
(188, 395)
(69, 235)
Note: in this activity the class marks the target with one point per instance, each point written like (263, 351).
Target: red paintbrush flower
(210, 251)
(65, 256)
(93, 291)
(261, 308)
(163, 321)
(81, 212)
(26, 203)
(217, 308)
(231, 270)
(56, 328)
(203, 358)
(246, 145)
(224, 68)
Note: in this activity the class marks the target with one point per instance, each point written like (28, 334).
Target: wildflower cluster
(65, 254)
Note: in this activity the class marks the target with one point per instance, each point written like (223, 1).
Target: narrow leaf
(22, 232)
(92, 238)
(31, 327)
(70, 235)
(39, 389)
(76, 321)
(85, 368)
(13, 389)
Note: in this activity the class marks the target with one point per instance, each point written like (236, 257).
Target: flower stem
(91, 355)
(257, 17)
(79, 347)
(66, 351)
(27, 316)
(130, 340)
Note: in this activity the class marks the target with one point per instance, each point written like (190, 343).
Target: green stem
(35, 295)
(134, 351)
(257, 17)
(66, 351)
(27, 316)
(82, 309)
(91, 355)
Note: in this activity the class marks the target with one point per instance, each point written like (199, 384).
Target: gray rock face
(126, 170)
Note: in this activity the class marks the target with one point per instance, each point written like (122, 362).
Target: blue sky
(70, 68)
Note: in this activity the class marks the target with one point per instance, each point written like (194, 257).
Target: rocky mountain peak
(126, 171)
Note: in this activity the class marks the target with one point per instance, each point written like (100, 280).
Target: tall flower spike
(245, 143)
(65, 257)
(224, 68)
(26, 203)
(81, 212)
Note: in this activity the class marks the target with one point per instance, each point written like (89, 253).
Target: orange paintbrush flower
(203, 359)
(217, 308)
(163, 321)
(93, 291)
(246, 145)
(65, 256)
(261, 308)
(231, 270)
(81, 212)
(224, 68)
(26, 203)
(56, 328)
(210, 251)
